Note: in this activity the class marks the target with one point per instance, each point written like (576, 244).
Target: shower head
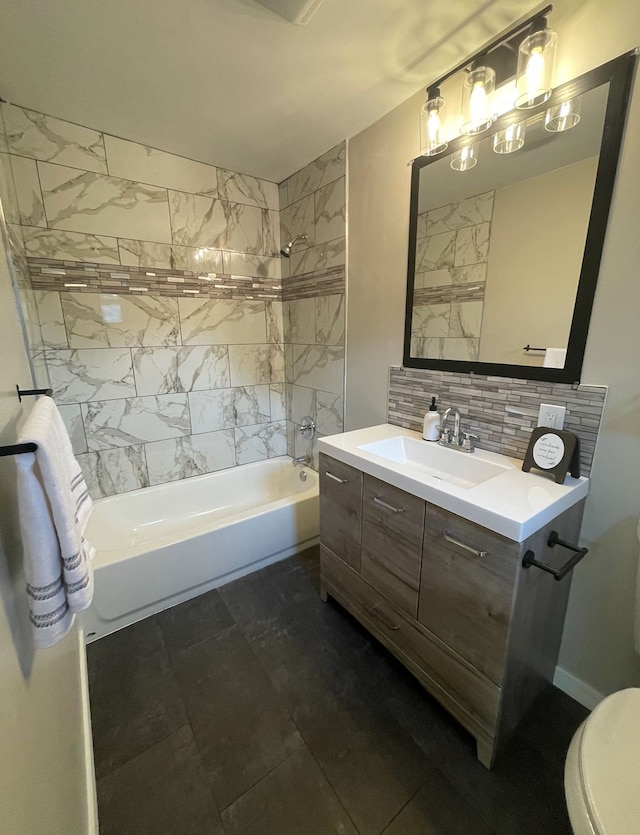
(288, 248)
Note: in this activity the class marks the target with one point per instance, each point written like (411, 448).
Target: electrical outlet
(552, 416)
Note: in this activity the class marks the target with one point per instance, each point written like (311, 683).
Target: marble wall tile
(119, 321)
(434, 278)
(463, 349)
(243, 263)
(300, 321)
(451, 348)
(329, 413)
(277, 401)
(321, 257)
(244, 229)
(90, 374)
(467, 212)
(40, 365)
(242, 188)
(472, 244)
(72, 417)
(301, 403)
(437, 252)
(169, 256)
(472, 274)
(283, 196)
(330, 211)
(322, 171)
(330, 319)
(198, 221)
(114, 471)
(271, 232)
(30, 205)
(81, 201)
(178, 458)
(222, 321)
(253, 365)
(230, 407)
(133, 161)
(54, 333)
(466, 319)
(192, 368)
(430, 320)
(70, 246)
(319, 367)
(299, 219)
(8, 194)
(32, 134)
(256, 443)
(275, 324)
(112, 423)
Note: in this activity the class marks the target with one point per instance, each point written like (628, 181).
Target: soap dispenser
(431, 426)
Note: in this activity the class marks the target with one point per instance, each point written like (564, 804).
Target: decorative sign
(554, 452)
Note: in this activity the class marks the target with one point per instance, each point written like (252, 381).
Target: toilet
(602, 770)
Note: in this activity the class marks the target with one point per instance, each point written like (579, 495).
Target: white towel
(54, 508)
(554, 357)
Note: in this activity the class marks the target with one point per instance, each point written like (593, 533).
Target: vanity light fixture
(510, 139)
(464, 159)
(563, 116)
(431, 119)
(536, 58)
(476, 91)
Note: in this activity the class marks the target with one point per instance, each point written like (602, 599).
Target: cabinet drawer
(393, 523)
(466, 591)
(472, 698)
(341, 509)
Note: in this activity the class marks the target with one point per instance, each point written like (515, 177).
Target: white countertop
(514, 504)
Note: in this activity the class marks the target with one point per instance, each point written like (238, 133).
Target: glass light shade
(536, 59)
(510, 139)
(476, 100)
(563, 116)
(431, 121)
(465, 158)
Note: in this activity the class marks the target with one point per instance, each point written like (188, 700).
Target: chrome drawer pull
(391, 626)
(464, 547)
(335, 478)
(388, 506)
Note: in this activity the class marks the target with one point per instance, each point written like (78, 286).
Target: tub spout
(305, 460)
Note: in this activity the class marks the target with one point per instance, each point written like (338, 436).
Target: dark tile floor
(259, 710)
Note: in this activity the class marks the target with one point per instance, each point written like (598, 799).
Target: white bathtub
(162, 545)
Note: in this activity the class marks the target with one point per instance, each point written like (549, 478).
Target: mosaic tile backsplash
(502, 411)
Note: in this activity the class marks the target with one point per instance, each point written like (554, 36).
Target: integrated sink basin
(463, 469)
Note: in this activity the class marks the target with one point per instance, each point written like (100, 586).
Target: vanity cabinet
(449, 598)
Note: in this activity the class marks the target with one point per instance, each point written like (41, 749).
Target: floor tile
(437, 809)
(241, 728)
(135, 701)
(294, 799)
(163, 791)
(194, 621)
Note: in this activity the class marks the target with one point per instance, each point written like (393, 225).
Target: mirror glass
(499, 247)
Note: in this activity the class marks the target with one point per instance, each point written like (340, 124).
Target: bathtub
(166, 544)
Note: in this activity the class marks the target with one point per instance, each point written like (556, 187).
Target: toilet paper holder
(558, 573)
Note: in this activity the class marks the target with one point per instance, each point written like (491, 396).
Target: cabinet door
(466, 590)
(393, 523)
(341, 509)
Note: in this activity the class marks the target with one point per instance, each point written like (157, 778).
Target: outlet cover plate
(552, 416)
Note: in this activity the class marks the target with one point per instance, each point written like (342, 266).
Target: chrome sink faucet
(463, 444)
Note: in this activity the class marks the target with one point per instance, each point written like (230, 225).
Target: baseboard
(90, 774)
(576, 688)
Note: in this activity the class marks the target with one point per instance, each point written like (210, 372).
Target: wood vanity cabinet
(449, 598)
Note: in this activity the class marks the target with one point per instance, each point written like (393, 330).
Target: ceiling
(229, 82)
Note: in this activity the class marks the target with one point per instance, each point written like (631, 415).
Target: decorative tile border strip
(483, 401)
(311, 285)
(449, 293)
(84, 277)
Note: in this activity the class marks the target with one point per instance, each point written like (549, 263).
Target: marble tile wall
(452, 251)
(158, 288)
(502, 411)
(313, 202)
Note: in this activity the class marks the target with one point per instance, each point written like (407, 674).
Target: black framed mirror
(504, 256)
